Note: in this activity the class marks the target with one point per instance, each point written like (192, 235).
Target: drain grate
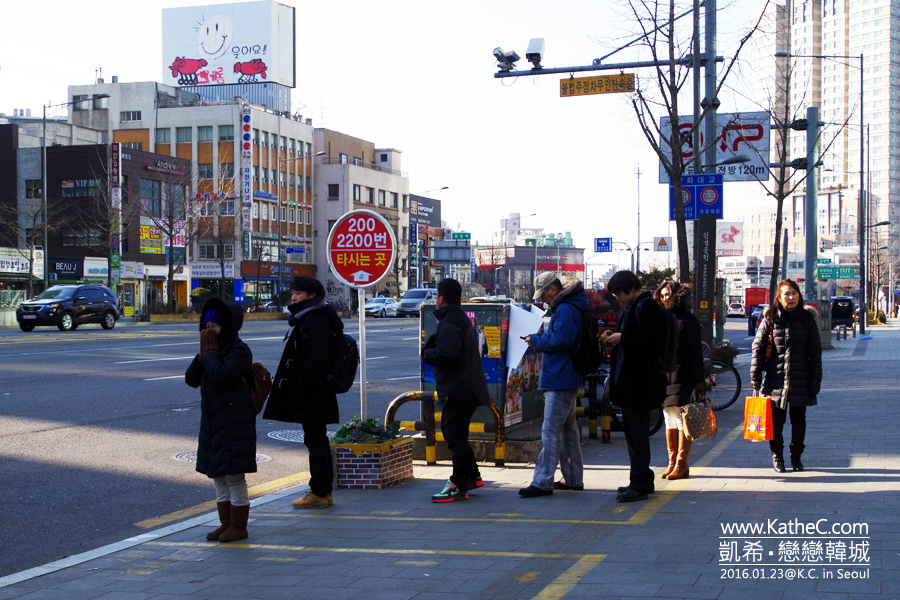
(291, 435)
(191, 457)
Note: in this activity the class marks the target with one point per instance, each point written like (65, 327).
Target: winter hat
(542, 282)
(214, 316)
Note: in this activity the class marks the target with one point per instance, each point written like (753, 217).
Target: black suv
(68, 306)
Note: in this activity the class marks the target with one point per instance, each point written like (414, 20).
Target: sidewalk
(397, 544)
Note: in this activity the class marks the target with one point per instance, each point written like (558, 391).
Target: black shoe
(477, 482)
(630, 495)
(778, 463)
(559, 485)
(533, 492)
(796, 464)
(621, 490)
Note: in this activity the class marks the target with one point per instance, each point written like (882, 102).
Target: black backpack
(587, 358)
(344, 363)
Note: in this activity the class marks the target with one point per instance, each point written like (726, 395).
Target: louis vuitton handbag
(698, 419)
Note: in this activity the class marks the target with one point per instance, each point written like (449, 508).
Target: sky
(419, 77)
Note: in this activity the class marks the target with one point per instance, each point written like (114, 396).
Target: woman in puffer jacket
(787, 366)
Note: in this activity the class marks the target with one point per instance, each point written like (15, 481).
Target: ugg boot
(224, 509)
(672, 445)
(682, 469)
(237, 529)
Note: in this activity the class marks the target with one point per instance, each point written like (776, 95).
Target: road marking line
(161, 378)
(374, 517)
(257, 490)
(563, 584)
(400, 378)
(128, 362)
(375, 357)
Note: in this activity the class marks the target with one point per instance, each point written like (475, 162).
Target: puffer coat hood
(232, 315)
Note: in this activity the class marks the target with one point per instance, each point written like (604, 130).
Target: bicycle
(723, 383)
(615, 415)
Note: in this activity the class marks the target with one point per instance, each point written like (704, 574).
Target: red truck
(754, 296)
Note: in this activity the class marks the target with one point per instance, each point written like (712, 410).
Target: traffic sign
(361, 248)
(602, 244)
(597, 84)
(700, 195)
(460, 235)
(662, 244)
(838, 272)
(295, 250)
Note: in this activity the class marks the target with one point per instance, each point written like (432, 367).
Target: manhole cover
(291, 435)
(191, 457)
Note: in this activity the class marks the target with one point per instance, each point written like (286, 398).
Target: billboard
(247, 42)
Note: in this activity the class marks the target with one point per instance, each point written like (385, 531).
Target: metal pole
(810, 290)
(861, 209)
(638, 173)
(361, 300)
(44, 197)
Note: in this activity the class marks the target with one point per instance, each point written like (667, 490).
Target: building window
(394, 199)
(334, 191)
(383, 157)
(129, 115)
(83, 238)
(183, 135)
(133, 145)
(226, 208)
(163, 136)
(309, 217)
(344, 159)
(79, 102)
(226, 133)
(33, 188)
(370, 195)
(79, 188)
(357, 193)
(380, 197)
(204, 134)
(151, 198)
(211, 251)
(205, 171)
(99, 103)
(256, 137)
(226, 170)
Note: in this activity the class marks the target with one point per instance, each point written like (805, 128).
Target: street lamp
(44, 177)
(862, 164)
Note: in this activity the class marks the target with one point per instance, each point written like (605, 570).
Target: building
(353, 174)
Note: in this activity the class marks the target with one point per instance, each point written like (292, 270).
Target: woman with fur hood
(684, 382)
(787, 366)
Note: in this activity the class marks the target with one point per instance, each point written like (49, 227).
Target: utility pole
(638, 173)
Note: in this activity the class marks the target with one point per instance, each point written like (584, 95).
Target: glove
(209, 341)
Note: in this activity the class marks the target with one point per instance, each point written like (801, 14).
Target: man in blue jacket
(560, 383)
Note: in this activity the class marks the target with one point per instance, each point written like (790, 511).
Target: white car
(381, 307)
(736, 309)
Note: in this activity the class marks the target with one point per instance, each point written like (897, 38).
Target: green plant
(725, 353)
(882, 318)
(370, 431)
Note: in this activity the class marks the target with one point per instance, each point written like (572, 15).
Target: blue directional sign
(602, 244)
(700, 195)
(295, 250)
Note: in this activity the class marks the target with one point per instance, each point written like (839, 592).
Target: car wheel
(66, 322)
(382, 314)
(26, 326)
(109, 320)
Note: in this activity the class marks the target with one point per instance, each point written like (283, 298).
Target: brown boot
(224, 518)
(682, 469)
(237, 530)
(672, 445)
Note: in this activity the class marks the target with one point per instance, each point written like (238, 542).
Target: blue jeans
(561, 439)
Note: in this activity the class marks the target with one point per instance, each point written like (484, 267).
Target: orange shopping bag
(758, 419)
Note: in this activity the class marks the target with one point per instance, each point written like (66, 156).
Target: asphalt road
(93, 423)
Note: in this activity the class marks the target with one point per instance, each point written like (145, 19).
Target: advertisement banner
(730, 239)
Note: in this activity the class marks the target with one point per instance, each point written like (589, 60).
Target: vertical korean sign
(246, 181)
(115, 213)
(361, 249)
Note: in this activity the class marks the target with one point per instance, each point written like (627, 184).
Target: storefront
(208, 275)
(261, 278)
(156, 295)
(131, 289)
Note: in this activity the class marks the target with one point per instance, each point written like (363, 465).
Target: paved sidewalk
(396, 544)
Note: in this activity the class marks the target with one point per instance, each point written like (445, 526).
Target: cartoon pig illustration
(186, 69)
(249, 70)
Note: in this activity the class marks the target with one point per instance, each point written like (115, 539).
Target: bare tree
(22, 228)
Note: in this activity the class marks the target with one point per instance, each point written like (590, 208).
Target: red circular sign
(361, 248)
(685, 196)
(709, 196)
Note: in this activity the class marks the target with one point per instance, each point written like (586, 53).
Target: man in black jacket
(637, 384)
(459, 377)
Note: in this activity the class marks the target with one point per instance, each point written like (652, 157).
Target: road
(98, 427)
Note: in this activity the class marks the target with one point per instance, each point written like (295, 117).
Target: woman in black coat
(226, 446)
(683, 383)
(787, 366)
(301, 392)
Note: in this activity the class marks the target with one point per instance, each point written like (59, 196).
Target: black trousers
(321, 465)
(636, 426)
(798, 429)
(455, 419)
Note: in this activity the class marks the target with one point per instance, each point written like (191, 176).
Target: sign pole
(363, 400)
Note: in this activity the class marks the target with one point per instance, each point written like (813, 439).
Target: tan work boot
(672, 445)
(682, 469)
(224, 509)
(313, 501)
(237, 529)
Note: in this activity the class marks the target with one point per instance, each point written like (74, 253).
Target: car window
(415, 294)
(56, 292)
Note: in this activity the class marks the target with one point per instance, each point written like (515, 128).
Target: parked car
(842, 311)
(756, 315)
(68, 306)
(381, 307)
(412, 301)
(736, 309)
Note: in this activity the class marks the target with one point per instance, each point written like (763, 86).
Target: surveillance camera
(535, 52)
(505, 60)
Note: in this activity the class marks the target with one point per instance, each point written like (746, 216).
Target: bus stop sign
(361, 248)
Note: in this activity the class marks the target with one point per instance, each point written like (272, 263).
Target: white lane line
(376, 357)
(128, 362)
(399, 378)
(409, 339)
(169, 377)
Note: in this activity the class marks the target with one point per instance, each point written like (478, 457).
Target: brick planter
(373, 466)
